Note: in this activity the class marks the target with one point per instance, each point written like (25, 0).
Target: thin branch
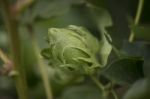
(114, 94)
(96, 81)
(4, 57)
(42, 67)
(137, 18)
(101, 87)
(8, 64)
(20, 5)
(12, 28)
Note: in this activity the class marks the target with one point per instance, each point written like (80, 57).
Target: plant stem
(100, 86)
(114, 94)
(4, 57)
(12, 28)
(137, 18)
(96, 81)
(42, 67)
(104, 89)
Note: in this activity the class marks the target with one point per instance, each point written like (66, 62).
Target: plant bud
(72, 48)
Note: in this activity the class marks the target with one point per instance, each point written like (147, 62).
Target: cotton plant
(75, 49)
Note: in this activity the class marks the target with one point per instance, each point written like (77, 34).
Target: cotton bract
(72, 48)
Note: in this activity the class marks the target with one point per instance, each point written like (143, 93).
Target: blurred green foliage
(114, 17)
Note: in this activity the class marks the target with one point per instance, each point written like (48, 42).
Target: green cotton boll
(72, 48)
(91, 41)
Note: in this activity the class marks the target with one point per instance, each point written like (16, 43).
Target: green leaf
(138, 91)
(125, 70)
(103, 20)
(82, 92)
(101, 17)
(105, 48)
(45, 9)
(139, 49)
(97, 3)
(141, 32)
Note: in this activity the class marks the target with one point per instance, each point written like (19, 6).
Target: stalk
(12, 28)
(42, 67)
(4, 57)
(105, 89)
(114, 94)
(100, 86)
(137, 18)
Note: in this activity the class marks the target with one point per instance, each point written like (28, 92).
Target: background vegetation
(23, 29)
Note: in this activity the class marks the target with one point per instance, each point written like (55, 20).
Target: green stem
(42, 67)
(12, 28)
(114, 94)
(100, 86)
(137, 18)
(4, 57)
(118, 53)
(96, 81)
(104, 89)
